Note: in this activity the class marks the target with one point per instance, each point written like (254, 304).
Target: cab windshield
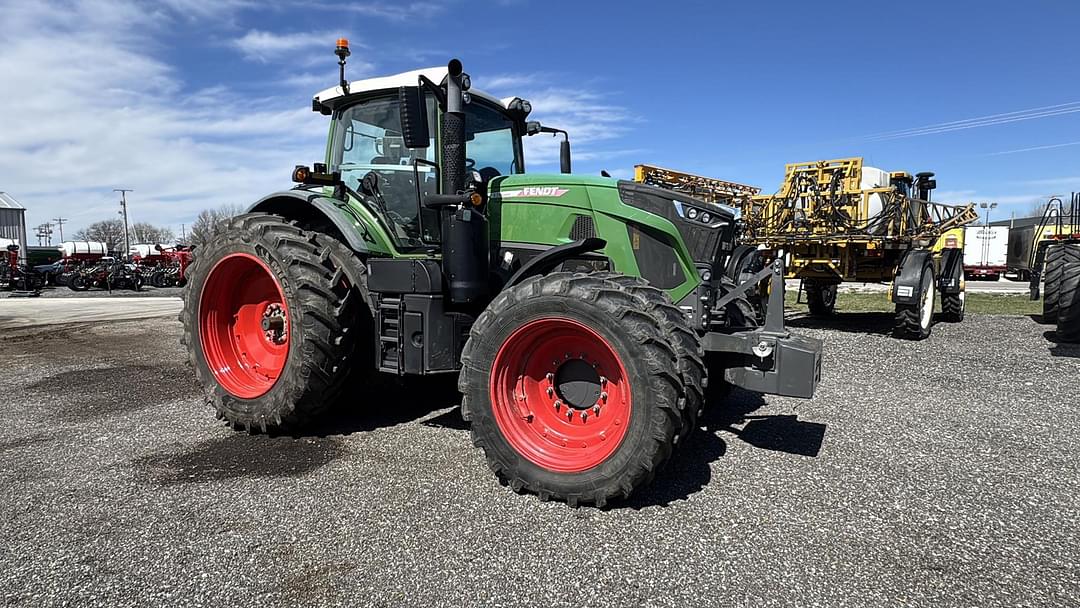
(368, 145)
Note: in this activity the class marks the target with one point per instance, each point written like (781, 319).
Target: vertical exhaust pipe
(465, 246)
(453, 131)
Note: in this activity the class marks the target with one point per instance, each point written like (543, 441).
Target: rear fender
(319, 212)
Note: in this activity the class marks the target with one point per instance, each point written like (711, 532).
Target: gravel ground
(943, 472)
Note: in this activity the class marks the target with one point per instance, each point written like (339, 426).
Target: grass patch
(976, 303)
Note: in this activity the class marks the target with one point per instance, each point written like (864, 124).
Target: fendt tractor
(585, 316)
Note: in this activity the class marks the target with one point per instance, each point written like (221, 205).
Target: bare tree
(202, 227)
(145, 232)
(110, 232)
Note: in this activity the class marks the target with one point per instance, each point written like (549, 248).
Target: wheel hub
(577, 383)
(274, 324)
(560, 394)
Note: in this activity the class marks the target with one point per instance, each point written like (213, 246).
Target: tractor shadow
(1061, 349)
(853, 322)
(389, 402)
(689, 470)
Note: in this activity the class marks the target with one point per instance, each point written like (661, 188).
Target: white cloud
(595, 124)
(264, 46)
(400, 11)
(98, 111)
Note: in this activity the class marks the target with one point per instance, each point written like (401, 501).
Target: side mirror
(414, 125)
(564, 156)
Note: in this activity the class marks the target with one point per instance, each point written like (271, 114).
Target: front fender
(306, 206)
(907, 286)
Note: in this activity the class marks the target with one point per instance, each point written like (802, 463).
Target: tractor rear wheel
(677, 330)
(913, 321)
(1068, 318)
(272, 320)
(572, 388)
(821, 298)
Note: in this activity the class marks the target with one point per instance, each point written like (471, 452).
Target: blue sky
(197, 103)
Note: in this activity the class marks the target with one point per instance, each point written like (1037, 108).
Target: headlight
(692, 213)
(705, 217)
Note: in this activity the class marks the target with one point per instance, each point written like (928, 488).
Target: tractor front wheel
(272, 318)
(573, 389)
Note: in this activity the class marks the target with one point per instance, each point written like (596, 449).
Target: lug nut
(550, 391)
(558, 404)
(596, 410)
(569, 414)
(603, 396)
(603, 381)
(584, 415)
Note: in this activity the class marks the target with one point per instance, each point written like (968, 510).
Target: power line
(981, 121)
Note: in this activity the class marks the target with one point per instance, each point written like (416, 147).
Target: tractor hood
(557, 187)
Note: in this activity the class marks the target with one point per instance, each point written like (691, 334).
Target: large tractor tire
(914, 321)
(274, 317)
(572, 388)
(678, 333)
(1056, 258)
(821, 298)
(1055, 255)
(1068, 318)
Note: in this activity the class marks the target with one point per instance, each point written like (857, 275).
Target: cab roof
(404, 79)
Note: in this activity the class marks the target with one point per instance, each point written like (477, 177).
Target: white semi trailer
(986, 250)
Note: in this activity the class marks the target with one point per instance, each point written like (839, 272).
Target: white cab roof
(404, 79)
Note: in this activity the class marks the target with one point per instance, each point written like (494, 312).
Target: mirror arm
(434, 89)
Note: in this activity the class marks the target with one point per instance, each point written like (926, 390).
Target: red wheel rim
(245, 354)
(560, 395)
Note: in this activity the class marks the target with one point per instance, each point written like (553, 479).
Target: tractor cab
(394, 173)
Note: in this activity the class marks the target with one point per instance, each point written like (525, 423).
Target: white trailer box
(82, 248)
(986, 250)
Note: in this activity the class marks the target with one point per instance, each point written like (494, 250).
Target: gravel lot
(941, 472)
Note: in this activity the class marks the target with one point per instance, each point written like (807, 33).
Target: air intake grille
(583, 228)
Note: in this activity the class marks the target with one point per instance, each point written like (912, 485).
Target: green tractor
(588, 319)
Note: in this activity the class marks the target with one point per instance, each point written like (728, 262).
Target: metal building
(13, 221)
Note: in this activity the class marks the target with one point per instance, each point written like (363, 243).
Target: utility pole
(44, 233)
(183, 233)
(123, 211)
(60, 224)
